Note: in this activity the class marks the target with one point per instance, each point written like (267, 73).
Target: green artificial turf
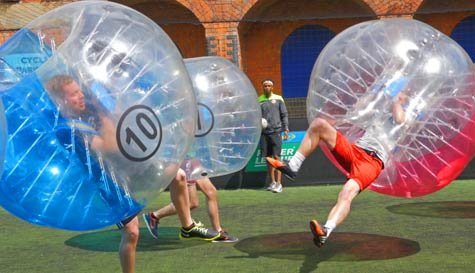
(382, 234)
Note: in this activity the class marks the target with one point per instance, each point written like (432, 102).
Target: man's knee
(210, 193)
(208, 189)
(321, 129)
(319, 124)
(350, 190)
(180, 177)
(131, 231)
(194, 205)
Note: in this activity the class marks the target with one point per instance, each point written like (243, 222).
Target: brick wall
(190, 39)
(222, 40)
(5, 35)
(251, 32)
(262, 42)
(232, 29)
(445, 23)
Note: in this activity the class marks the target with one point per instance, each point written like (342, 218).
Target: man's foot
(319, 233)
(224, 237)
(200, 233)
(152, 224)
(282, 167)
(272, 186)
(277, 189)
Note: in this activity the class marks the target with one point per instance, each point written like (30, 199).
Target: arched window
(464, 34)
(299, 52)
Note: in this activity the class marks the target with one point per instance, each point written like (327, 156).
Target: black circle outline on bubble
(212, 120)
(119, 125)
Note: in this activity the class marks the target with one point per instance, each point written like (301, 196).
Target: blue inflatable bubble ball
(100, 115)
(3, 136)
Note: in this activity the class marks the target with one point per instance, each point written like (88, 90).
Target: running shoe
(282, 167)
(319, 233)
(152, 224)
(224, 237)
(200, 233)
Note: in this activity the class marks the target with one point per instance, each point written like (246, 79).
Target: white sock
(329, 226)
(296, 161)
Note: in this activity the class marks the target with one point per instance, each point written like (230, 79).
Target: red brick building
(257, 34)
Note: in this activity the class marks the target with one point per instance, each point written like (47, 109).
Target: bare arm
(106, 141)
(399, 115)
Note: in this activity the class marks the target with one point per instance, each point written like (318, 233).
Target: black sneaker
(152, 224)
(199, 232)
(319, 233)
(282, 167)
(224, 237)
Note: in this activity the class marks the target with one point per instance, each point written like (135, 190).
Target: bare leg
(128, 246)
(209, 190)
(319, 129)
(271, 171)
(170, 209)
(166, 211)
(337, 214)
(193, 193)
(277, 174)
(343, 205)
(278, 177)
(180, 198)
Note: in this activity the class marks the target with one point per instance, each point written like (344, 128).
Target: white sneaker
(277, 189)
(272, 186)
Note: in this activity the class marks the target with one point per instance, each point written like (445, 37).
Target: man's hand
(401, 98)
(397, 110)
(286, 134)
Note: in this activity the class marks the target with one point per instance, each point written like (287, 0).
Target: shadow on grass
(341, 247)
(448, 209)
(109, 240)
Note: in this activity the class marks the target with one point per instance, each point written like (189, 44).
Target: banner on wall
(25, 63)
(22, 54)
(257, 163)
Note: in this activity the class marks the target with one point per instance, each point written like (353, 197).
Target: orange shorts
(362, 167)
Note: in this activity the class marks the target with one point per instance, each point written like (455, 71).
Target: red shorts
(362, 167)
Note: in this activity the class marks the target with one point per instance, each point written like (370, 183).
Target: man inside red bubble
(364, 161)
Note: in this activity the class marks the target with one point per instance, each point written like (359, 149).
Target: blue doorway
(299, 52)
(464, 34)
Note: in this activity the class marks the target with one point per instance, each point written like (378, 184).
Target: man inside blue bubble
(97, 132)
(94, 132)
